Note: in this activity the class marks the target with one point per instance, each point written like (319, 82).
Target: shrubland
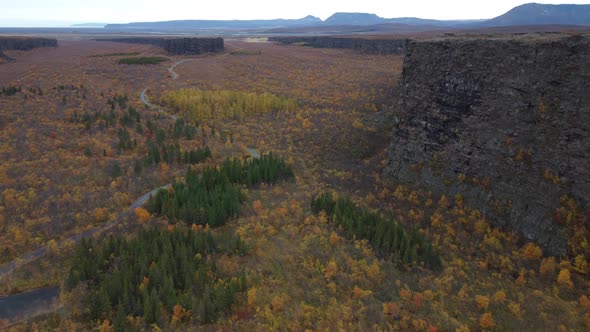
(305, 266)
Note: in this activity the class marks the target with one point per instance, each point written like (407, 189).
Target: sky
(46, 13)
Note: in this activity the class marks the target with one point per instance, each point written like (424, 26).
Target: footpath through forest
(38, 301)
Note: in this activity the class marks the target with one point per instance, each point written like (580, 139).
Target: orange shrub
(548, 267)
(482, 301)
(257, 206)
(142, 214)
(486, 321)
(391, 308)
(531, 251)
(564, 279)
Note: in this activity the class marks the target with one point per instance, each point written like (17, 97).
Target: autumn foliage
(78, 147)
(200, 105)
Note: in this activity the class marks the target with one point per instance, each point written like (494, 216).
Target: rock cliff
(23, 44)
(193, 45)
(503, 122)
(178, 46)
(371, 46)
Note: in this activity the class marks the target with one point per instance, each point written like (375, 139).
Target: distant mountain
(540, 14)
(525, 15)
(89, 25)
(354, 19)
(372, 19)
(438, 23)
(216, 24)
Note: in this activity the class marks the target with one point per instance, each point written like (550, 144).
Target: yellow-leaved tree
(142, 214)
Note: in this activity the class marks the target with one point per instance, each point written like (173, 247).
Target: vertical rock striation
(23, 44)
(193, 45)
(504, 122)
(177, 46)
(369, 46)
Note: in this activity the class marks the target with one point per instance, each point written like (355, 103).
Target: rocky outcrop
(370, 46)
(503, 122)
(23, 44)
(178, 46)
(4, 57)
(193, 45)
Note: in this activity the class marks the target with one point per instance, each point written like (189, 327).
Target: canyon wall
(178, 46)
(504, 122)
(23, 44)
(193, 45)
(370, 46)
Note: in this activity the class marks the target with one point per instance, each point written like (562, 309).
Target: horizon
(38, 13)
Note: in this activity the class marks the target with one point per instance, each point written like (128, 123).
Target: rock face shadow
(489, 119)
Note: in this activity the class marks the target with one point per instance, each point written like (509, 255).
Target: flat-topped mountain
(537, 14)
(354, 19)
(373, 19)
(525, 15)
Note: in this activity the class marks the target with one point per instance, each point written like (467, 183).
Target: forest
(210, 198)
(161, 276)
(388, 238)
(200, 105)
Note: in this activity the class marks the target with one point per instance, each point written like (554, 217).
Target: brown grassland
(60, 176)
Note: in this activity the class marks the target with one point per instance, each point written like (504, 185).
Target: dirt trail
(173, 74)
(9, 267)
(34, 302)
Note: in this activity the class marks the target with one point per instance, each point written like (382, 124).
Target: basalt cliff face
(370, 46)
(23, 44)
(178, 46)
(193, 45)
(503, 122)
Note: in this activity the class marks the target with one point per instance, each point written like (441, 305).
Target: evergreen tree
(387, 237)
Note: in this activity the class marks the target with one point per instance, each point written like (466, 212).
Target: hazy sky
(60, 12)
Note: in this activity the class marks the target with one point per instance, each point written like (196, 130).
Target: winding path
(9, 267)
(38, 301)
(146, 102)
(171, 69)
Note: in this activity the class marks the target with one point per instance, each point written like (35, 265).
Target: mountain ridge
(527, 14)
(537, 14)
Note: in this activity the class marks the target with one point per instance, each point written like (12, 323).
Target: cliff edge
(177, 46)
(369, 46)
(23, 44)
(503, 122)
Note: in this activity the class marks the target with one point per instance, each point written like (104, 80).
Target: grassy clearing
(144, 60)
(245, 52)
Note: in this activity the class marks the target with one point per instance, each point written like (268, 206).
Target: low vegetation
(144, 60)
(107, 55)
(245, 52)
(10, 91)
(69, 163)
